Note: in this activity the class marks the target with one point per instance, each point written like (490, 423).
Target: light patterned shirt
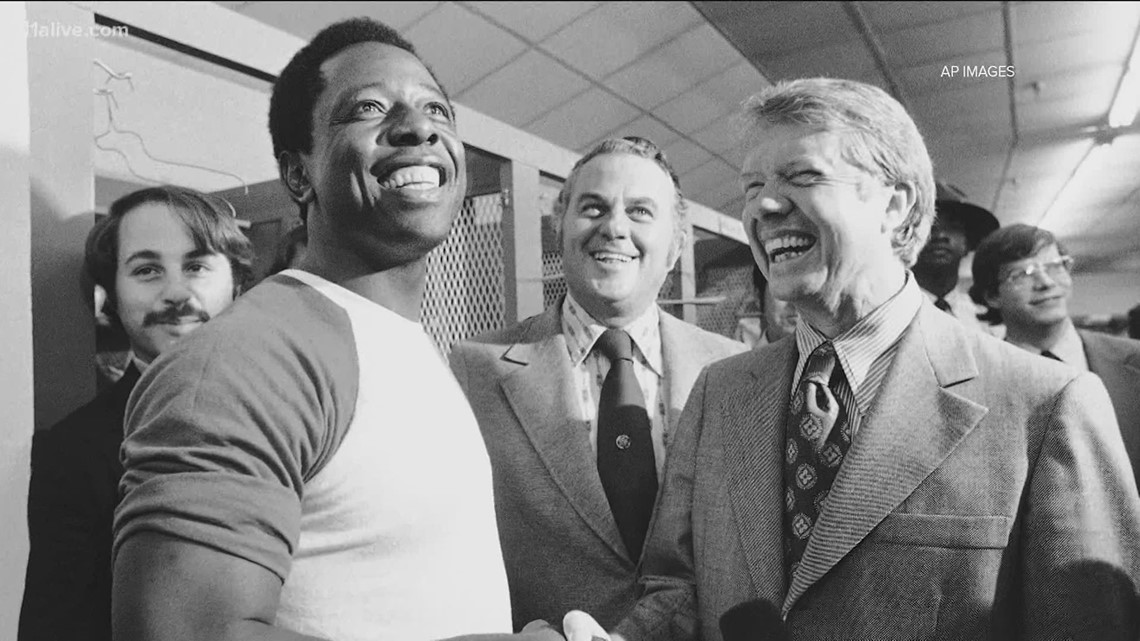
(865, 351)
(590, 368)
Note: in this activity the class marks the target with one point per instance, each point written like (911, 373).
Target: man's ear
(993, 300)
(296, 179)
(902, 199)
(680, 237)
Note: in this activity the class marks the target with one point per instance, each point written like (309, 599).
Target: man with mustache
(306, 467)
(1023, 275)
(168, 259)
(888, 473)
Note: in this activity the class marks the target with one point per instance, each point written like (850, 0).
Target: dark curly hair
(210, 220)
(296, 90)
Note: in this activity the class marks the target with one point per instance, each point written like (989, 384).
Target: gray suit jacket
(1117, 362)
(985, 496)
(560, 543)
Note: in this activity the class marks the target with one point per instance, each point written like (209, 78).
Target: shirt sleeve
(224, 429)
(1081, 562)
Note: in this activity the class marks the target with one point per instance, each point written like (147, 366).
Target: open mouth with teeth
(413, 178)
(611, 258)
(787, 246)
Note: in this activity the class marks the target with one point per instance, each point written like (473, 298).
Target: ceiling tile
(1043, 21)
(894, 16)
(1072, 53)
(737, 84)
(979, 179)
(533, 20)
(1068, 101)
(462, 47)
(529, 86)
(646, 127)
(719, 195)
(583, 119)
(617, 33)
(692, 110)
(766, 29)
(948, 73)
(305, 19)
(718, 96)
(959, 38)
(685, 155)
(1033, 162)
(842, 60)
(713, 173)
(1035, 175)
(982, 106)
(666, 72)
(722, 136)
(1095, 193)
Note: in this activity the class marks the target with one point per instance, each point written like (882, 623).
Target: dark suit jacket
(1117, 362)
(986, 495)
(560, 542)
(71, 503)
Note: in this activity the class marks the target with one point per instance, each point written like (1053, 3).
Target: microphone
(753, 620)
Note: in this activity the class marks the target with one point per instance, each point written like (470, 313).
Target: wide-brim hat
(978, 222)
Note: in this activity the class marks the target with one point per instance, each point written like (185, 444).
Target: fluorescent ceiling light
(1127, 101)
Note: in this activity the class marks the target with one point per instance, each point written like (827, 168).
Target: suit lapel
(753, 420)
(911, 427)
(540, 392)
(682, 358)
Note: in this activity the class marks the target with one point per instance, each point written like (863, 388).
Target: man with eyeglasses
(1023, 276)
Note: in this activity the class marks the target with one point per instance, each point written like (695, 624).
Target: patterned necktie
(943, 304)
(818, 436)
(1048, 354)
(626, 462)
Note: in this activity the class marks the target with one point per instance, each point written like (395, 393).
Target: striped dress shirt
(865, 351)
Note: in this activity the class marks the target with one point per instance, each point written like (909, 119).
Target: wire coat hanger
(112, 103)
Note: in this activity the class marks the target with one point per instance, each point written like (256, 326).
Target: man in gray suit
(572, 509)
(1023, 275)
(887, 474)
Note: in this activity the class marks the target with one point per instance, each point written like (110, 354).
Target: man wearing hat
(957, 230)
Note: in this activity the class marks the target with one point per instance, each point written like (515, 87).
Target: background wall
(15, 318)
(1104, 293)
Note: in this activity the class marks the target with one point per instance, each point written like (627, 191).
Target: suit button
(622, 442)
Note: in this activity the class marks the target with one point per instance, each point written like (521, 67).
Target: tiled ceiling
(675, 72)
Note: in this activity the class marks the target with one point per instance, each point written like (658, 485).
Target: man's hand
(539, 630)
(579, 626)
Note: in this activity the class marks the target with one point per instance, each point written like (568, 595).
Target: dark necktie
(625, 448)
(1048, 354)
(817, 439)
(943, 304)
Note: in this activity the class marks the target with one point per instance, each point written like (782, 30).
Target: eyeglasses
(1055, 269)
